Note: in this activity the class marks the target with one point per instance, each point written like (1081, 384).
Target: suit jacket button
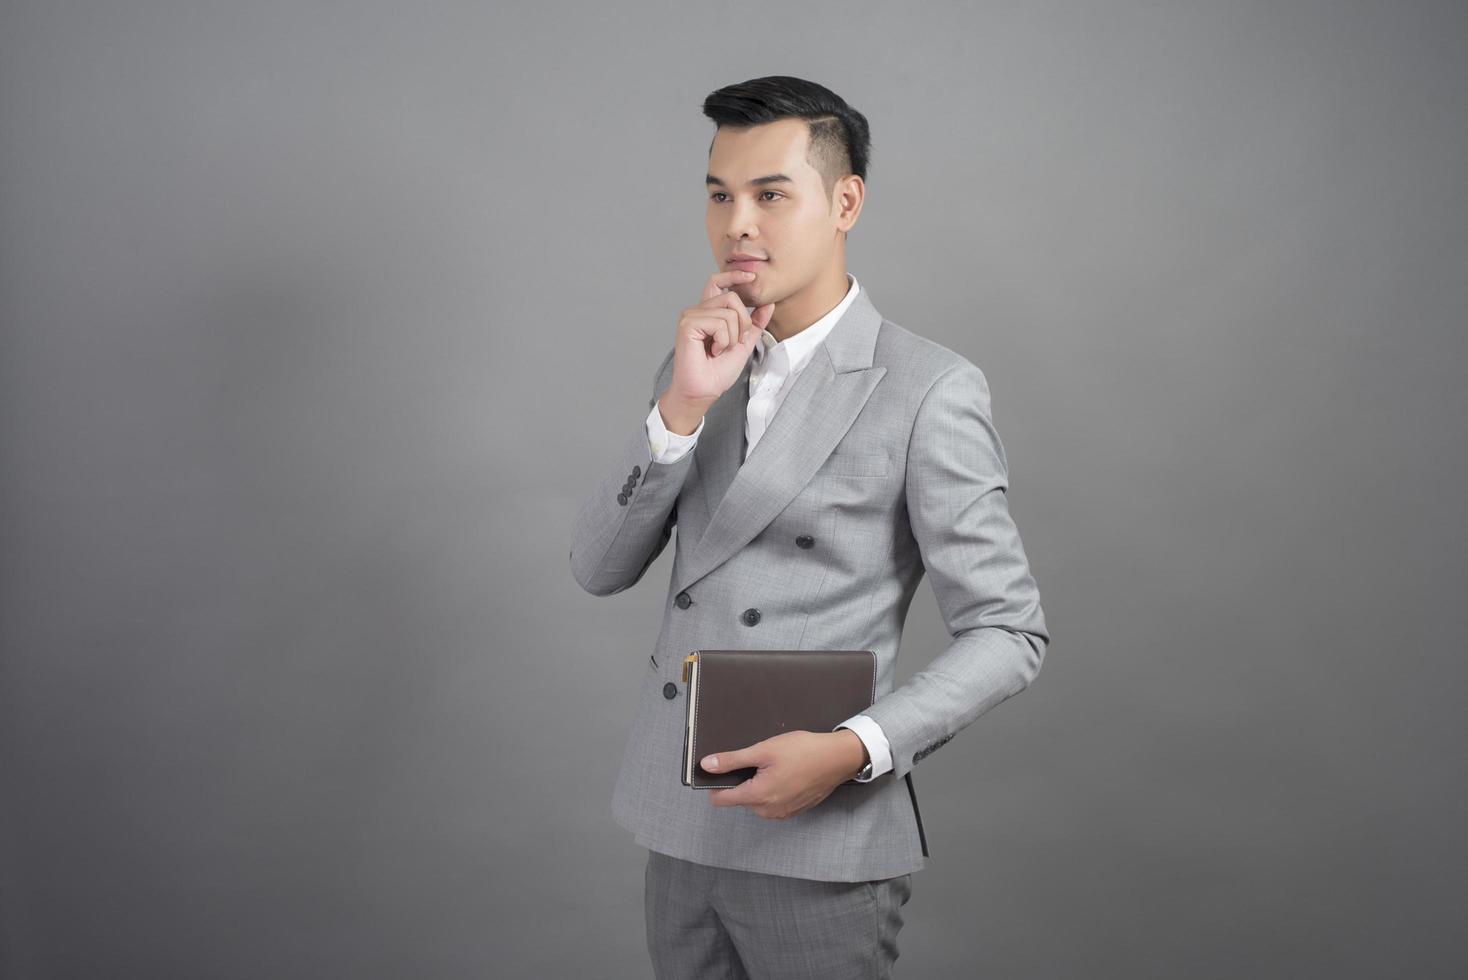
(670, 690)
(622, 498)
(683, 601)
(805, 541)
(751, 616)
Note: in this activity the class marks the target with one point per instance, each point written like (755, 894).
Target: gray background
(319, 321)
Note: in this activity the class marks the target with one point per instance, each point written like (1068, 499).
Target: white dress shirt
(776, 366)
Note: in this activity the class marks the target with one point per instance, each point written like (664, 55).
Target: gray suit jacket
(884, 453)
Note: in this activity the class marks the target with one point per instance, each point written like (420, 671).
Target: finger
(732, 302)
(711, 324)
(720, 281)
(757, 323)
(746, 758)
(733, 796)
(701, 321)
(761, 316)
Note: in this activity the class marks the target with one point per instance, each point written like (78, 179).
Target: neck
(794, 313)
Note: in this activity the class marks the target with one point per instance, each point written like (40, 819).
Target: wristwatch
(866, 772)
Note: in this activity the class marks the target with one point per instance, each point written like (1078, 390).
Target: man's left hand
(796, 770)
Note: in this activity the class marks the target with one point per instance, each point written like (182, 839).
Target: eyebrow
(711, 180)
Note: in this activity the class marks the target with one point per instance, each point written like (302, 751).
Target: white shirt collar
(799, 348)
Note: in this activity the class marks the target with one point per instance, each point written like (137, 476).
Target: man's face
(789, 222)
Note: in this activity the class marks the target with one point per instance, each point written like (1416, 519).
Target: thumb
(761, 316)
(724, 761)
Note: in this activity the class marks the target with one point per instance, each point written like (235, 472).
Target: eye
(718, 194)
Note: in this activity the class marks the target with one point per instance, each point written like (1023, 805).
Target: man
(816, 459)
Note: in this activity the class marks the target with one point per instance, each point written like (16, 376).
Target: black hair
(840, 142)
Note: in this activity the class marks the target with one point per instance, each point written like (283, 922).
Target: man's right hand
(715, 339)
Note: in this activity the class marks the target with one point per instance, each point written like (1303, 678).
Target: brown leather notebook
(739, 697)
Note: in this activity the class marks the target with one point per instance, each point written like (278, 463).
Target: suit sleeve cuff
(665, 446)
(871, 736)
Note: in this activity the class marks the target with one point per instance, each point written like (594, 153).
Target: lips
(747, 264)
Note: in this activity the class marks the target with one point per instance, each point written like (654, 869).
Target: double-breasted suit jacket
(882, 464)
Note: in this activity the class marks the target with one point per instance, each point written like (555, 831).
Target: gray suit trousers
(714, 923)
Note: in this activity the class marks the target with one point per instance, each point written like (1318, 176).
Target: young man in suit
(817, 459)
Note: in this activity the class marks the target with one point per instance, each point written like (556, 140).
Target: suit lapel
(720, 450)
(820, 407)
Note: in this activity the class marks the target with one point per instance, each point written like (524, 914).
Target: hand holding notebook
(739, 697)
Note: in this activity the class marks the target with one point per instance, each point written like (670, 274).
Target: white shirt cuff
(668, 447)
(872, 737)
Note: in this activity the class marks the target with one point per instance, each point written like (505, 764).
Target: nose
(741, 222)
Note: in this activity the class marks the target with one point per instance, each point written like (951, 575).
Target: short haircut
(840, 142)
